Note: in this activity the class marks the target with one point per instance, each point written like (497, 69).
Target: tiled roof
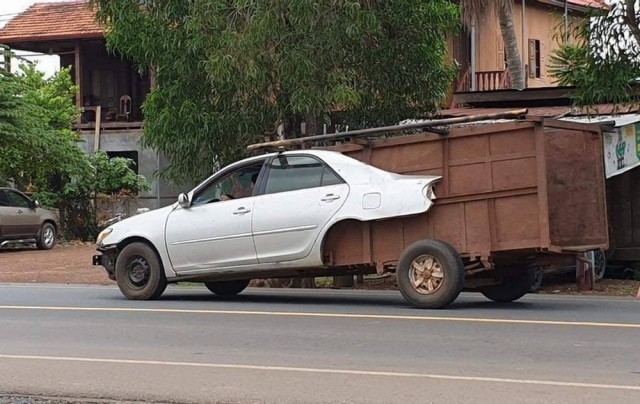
(52, 21)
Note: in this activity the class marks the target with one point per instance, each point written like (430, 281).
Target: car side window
(17, 200)
(237, 184)
(291, 173)
(4, 200)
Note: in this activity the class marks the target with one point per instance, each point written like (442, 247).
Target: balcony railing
(493, 80)
(485, 81)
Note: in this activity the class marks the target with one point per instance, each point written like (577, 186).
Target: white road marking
(327, 315)
(325, 371)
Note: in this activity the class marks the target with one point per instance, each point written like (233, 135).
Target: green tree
(39, 150)
(36, 140)
(229, 73)
(603, 60)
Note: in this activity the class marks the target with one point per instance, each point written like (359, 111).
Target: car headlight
(103, 234)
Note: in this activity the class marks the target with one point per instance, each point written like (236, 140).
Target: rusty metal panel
(387, 239)
(624, 209)
(500, 191)
(623, 201)
(516, 220)
(576, 195)
(412, 158)
(344, 243)
(478, 225)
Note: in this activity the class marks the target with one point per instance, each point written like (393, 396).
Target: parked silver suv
(23, 221)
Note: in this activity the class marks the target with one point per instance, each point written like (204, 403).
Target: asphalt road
(311, 346)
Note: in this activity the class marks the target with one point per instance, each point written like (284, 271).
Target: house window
(535, 65)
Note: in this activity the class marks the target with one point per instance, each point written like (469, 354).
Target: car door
(299, 196)
(7, 220)
(215, 231)
(23, 218)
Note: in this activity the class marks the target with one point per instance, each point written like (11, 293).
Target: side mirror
(36, 204)
(183, 200)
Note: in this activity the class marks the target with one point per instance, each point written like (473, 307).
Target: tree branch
(631, 19)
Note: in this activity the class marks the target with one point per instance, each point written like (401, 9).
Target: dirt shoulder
(67, 263)
(71, 264)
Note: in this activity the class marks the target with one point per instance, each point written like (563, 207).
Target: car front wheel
(47, 239)
(139, 273)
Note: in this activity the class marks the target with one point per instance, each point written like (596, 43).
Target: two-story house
(480, 51)
(111, 90)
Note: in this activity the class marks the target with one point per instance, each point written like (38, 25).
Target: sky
(9, 9)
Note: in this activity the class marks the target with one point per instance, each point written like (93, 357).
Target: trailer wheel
(430, 274)
(513, 287)
(227, 288)
(536, 285)
(600, 264)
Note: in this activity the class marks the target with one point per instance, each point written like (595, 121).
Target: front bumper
(97, 260)
(107, 260)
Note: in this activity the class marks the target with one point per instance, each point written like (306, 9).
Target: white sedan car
(262, 217)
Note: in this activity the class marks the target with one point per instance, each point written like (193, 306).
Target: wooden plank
(96, 139)
(388, 129)
(514, 95)
(78, 79)
(585, 127)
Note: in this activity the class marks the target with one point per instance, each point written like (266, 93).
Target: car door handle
(19, 211)
(330, 198)
(241, 211)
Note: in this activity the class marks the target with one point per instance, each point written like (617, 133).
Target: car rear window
(291, 173)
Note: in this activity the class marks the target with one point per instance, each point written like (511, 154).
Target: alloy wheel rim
(426, 274)
(48, 236)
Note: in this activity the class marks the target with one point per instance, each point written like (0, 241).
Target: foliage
(603, 60)
(39, 151)
(36, 140)
(229, 73)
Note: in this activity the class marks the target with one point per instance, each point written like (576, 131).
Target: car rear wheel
(430, 274)
(514, 285)
(227, 288)
(139, 274)
(47, 238)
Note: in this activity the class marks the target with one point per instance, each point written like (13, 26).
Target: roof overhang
(582, 6)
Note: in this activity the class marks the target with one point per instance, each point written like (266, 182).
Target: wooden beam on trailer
(361, 133)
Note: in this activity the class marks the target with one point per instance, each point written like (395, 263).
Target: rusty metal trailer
(514, 195)
(623, 198)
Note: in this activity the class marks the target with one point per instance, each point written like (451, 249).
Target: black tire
(514, 285)
(227, 288)
(47, 238)
(424, 289)
(139, 273)
(600, 264)
(537, 280)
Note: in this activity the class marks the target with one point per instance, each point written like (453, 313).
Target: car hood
(46, 214)
(143, 225)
